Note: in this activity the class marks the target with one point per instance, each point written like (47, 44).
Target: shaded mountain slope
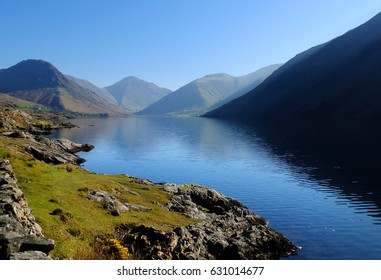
(257, 77)
(338, 81)
(133, 94)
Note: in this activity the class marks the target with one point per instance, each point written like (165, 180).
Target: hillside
(199, 95)
(336, 82)
(40, 82)
(101, 92)
(257, 77)
(133, 94)
(10, 102)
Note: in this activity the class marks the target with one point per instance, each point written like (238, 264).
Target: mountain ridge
(333, 81)
(134, 94)
(197, 96)
(40, 82)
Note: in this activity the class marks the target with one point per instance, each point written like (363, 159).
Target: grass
(57, 197)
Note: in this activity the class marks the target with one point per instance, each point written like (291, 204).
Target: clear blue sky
(170, 42)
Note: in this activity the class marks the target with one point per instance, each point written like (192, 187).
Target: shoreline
(219, 227)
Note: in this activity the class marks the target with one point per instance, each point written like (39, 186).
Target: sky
(170, 42)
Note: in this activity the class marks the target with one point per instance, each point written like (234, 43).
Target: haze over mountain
(133, 94)
(336, 82)
(40, 82)
(198, 95)
(258, 77)
(101, 92)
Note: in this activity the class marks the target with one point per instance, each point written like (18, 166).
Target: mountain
(336, 82)
(257, 77)
(133, 94)
(101, 92)
(199, 95)
(40, 82)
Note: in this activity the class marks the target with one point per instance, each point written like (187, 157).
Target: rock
(54, 157)
(19, 231)
(37, 131)
(137, 207)
(141, 181)
(72, 147)
(7, 124)
(128, 190)
(21, 134)
(31, 243)
(54, 151)
(59, 151)
(226, 230)
(29, 255)
(113, 205)
(109, 202)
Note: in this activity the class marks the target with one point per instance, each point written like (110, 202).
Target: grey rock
(57, 151)
(137, 207)
(31, 243)
(226, 230)
(19, 231)
(30, 255)
(127, 189)
(109, 202)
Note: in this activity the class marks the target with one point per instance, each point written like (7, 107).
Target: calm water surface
(307, 189)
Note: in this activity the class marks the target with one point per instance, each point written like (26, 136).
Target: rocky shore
(225, 230)
(21, 237)
(222, 227)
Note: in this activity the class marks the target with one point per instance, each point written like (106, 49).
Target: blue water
(308, 197)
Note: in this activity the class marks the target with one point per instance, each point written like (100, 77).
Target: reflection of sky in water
(328, 221)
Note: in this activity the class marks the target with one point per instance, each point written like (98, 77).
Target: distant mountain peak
(31, 74)
(134, 94)
(199, 95)
(218, 75)
(34, 61)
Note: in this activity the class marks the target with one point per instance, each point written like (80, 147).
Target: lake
(319, 188)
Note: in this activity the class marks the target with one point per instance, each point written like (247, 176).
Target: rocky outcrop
(226, 230)
(112, 204)
(109, 202)
(55, 151)
(19, 124)
(20, 236)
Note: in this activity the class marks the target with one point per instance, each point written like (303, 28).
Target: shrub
(114, 250)
(103, 249)
(69, 168)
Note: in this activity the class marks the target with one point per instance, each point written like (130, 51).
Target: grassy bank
(57, 195)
